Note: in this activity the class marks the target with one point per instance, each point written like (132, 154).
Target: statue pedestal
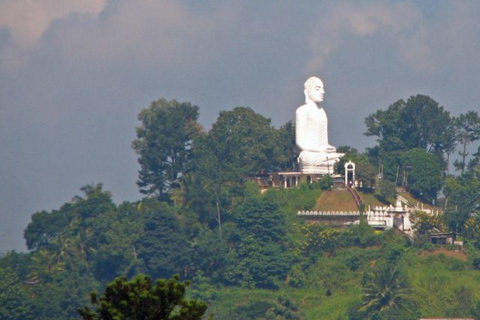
(317, 162)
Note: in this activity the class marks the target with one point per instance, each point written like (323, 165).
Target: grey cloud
(401, 22)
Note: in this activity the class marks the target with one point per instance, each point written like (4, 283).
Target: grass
(370, 199)
(443, 286)
(414, 201)
(336, 200)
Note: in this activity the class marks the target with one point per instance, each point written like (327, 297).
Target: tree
(209, 253)
(424, 223)
(467, 128)
(462, 198)
(261, 256)
(73, 217)
(423, 174)
(475, 161)
(284, 309)
(417, 123)
(13, 298)
(286, 157)
(364, 170)
(210, 186)
(163, 144)
(319, 239)
(113, 236)
(141, 298)
(384, 290)
(60, 297)
(240, 143)
(45, 227)
(163, 245)
(387, 190)
(243, 141)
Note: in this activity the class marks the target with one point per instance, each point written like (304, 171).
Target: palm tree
(45, 264)
(384, 290)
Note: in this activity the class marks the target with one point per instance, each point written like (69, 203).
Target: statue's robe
(316, 154)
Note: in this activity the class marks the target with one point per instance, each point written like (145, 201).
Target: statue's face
(316, 91)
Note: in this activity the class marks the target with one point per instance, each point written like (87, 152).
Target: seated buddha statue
(311, 132)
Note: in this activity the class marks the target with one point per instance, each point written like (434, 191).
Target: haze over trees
(202, 219)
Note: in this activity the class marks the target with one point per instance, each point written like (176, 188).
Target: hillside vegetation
(247, 254)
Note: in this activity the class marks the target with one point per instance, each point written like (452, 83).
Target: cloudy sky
(75, 74)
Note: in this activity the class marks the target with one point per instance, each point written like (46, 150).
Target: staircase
(356, 197)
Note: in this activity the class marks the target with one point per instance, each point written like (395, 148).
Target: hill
(435, 279)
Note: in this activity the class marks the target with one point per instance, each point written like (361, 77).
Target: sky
(75, 74)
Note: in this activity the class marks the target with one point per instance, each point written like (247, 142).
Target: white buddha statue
(311, 132)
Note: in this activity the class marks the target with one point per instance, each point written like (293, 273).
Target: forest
(232, 252)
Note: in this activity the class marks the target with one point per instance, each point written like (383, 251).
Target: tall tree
(418, 122)
(286, 155)
(462, 200)
(240, 143)
(467, 127)
(475, 161)
(163, 245)
(163, 144)
(423, 174)
(243, 141)
(261, 254)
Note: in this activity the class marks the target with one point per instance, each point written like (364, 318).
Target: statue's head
(314, 90)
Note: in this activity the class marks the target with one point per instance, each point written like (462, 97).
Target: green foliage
(113, 236)
(424, 174)
(261, 256)
(252, 311)
(47, 228)
(474, 163)
(60, 297)
(13, 298)
(284, 309)
(425, 223)
(364, 170)
(467, 128)
(361, 235)
(163, 144)
(243, 142)
(141, 298)
(163, 244)
(319, 239)
(418, 122)
(385, 289)
(209, 253)
(325, 183)
(202, 289)
(462, 199)
(286, 157)
(387, 190)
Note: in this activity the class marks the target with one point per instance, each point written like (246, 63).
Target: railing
(329, 213)
(356, 197)
(402, 200)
